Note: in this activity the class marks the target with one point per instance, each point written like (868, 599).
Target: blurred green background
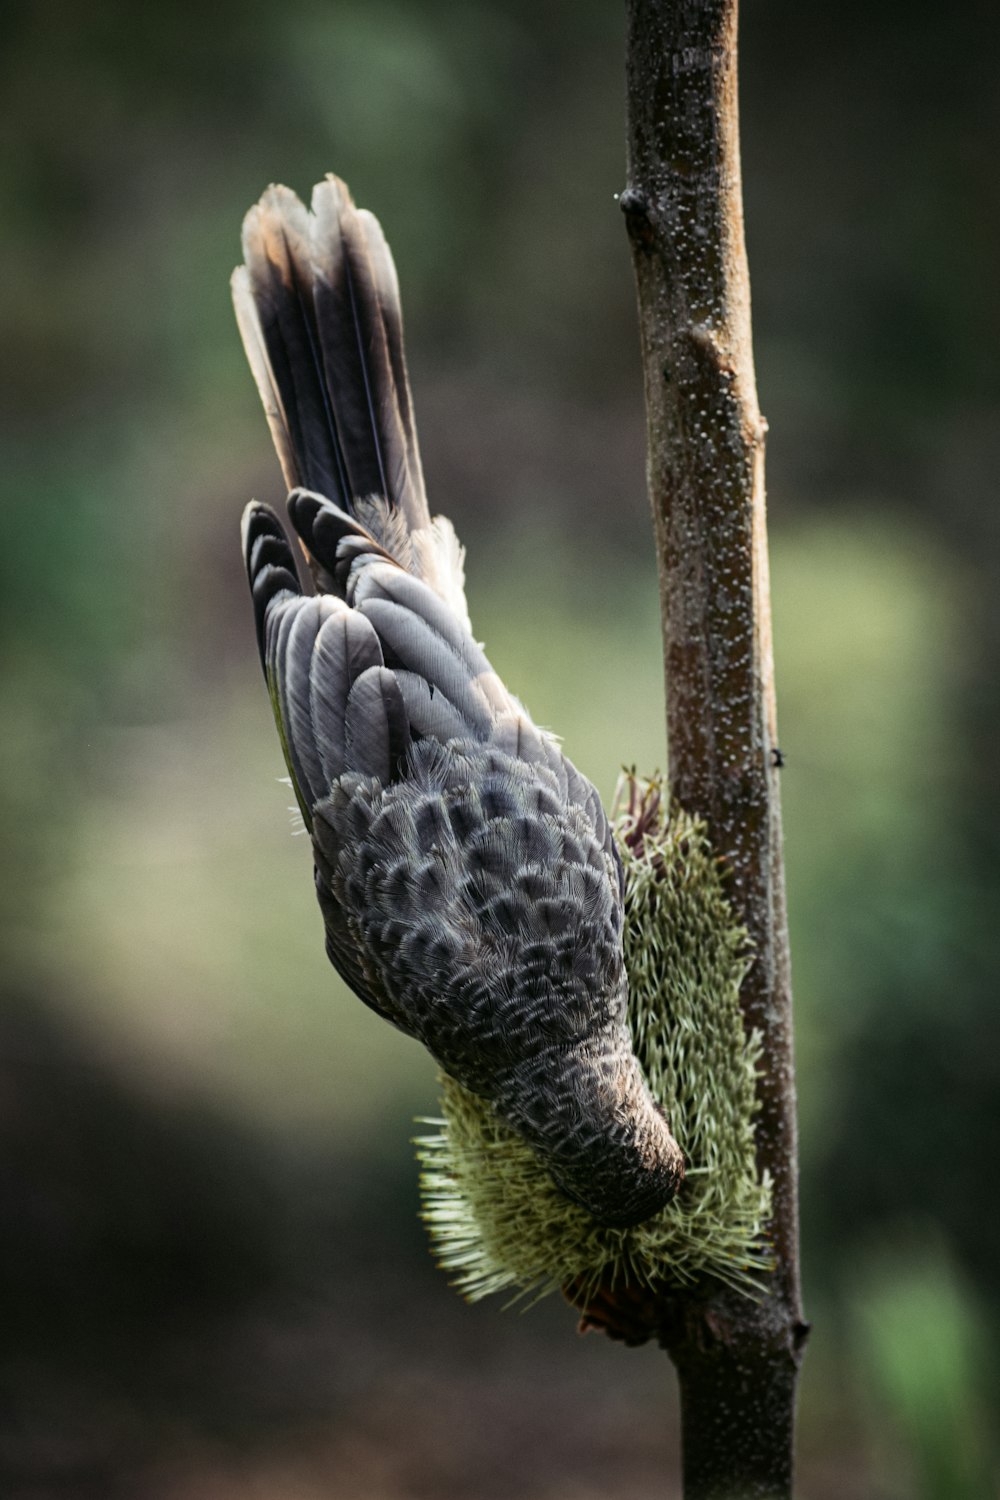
(214, 1281)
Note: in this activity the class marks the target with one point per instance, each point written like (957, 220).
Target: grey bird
(470, 887)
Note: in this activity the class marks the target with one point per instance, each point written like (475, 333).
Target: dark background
(214, 1283)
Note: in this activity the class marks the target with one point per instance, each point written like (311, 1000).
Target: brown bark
(737, 1360)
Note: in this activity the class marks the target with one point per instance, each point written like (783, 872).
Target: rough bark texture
(737, 1361)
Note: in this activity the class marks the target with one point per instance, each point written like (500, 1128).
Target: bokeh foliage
(201, 1121)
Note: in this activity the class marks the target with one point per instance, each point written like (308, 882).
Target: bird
(466, 870)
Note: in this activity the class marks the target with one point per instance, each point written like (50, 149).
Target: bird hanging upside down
(466, 871)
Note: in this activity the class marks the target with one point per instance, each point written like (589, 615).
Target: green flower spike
(496, 1220)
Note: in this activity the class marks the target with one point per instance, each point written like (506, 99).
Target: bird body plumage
(466, 871)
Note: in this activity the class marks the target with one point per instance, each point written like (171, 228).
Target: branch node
(635, 206)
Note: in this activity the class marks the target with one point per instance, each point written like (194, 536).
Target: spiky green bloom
(497, 1221)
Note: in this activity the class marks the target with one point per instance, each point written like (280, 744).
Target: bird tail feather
(317, 303)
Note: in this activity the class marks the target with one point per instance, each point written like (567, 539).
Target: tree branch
(737, 1360)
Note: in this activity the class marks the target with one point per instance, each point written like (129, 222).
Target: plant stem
(737, 1360)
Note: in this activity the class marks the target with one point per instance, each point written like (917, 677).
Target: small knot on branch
(635, 206)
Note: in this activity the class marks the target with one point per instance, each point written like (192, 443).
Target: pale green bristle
(497, 1221)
